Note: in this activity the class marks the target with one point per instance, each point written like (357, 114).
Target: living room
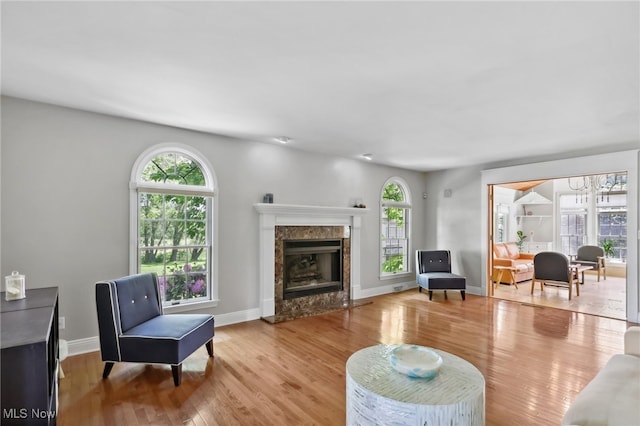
(66, 174)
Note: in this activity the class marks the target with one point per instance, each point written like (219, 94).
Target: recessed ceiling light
(367, 157)
(283, 140)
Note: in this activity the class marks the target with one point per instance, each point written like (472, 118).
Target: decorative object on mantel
(357, 203)
(268, 198)
(14, 286)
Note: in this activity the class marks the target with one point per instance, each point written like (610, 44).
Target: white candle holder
(14, 286)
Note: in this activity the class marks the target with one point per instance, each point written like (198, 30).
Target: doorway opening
(560, 214)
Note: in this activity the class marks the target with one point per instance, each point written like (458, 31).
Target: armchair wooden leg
(462, 293)
(209, 346)
(107, 369)
(430, 294)
(177, 374)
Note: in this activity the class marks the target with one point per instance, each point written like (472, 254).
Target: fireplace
(282, 222)
(312, 267)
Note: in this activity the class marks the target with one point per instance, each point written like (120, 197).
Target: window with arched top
(172, 224)
(395, 221)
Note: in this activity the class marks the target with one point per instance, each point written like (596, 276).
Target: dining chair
(592, 256)
(554, 268)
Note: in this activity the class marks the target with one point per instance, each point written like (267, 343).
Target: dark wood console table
(29, 354)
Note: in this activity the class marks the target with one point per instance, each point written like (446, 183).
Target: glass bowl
(415, 361)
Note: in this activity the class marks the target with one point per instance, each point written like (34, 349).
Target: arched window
(395, 220)
(172, 224)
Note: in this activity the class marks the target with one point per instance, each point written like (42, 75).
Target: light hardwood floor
(534, 360)
(604, 298)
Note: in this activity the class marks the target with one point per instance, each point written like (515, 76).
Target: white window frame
(137, 184)
(406, 204)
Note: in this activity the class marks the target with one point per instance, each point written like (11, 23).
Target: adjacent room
(236, 212)
(565, 214)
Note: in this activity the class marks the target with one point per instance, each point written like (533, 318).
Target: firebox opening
(312, 267)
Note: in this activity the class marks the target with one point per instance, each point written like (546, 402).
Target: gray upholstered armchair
(550, 267)
(591, 256)
(133, 328)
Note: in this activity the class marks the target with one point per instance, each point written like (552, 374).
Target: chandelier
(598, 185)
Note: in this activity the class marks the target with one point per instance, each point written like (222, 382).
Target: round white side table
(379, 395)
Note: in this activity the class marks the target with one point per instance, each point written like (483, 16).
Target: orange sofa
(508, 254)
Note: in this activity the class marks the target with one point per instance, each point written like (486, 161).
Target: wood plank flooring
(606, 298)
(534, 360)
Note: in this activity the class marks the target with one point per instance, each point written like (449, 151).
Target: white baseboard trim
(476, 291)
(92, 344)
(237, 317)
(83, 346)
(391, 288)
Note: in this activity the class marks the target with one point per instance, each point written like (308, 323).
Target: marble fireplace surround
(272, 215)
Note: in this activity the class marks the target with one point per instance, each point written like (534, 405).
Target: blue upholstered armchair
(433, 272)
(133, 327)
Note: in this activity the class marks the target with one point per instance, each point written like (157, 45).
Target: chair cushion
(586, 263)
(551, 266)
(500, 251)
(434, 261)
(166, 339)
(137, 299)
(524, 267)
(589, 253)
(512, 251)
(442, 281)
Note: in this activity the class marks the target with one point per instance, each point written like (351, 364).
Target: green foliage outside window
(394, 264)
(393, 192)
(396, 216)
(173, 228)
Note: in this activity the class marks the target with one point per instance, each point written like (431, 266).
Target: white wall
(65, 202)
(453, 220)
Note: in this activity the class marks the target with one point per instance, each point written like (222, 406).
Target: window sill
(187, 307)
(394, 276)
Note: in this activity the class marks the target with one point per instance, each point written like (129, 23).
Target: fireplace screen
(312, 267)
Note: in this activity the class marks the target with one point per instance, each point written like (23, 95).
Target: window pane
(612, 230)
(573, 219)
(393, 192)
(394, 229)
(173, 246)
(394, 242)
(175, 168)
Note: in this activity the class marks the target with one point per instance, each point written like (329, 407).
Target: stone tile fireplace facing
(321, 301)
(283, 222)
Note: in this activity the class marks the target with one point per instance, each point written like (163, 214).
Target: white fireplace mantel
(272, 215)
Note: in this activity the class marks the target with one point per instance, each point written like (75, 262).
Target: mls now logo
(15, 413)
(23, 413)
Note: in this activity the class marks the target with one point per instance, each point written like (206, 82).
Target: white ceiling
(419, 85)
